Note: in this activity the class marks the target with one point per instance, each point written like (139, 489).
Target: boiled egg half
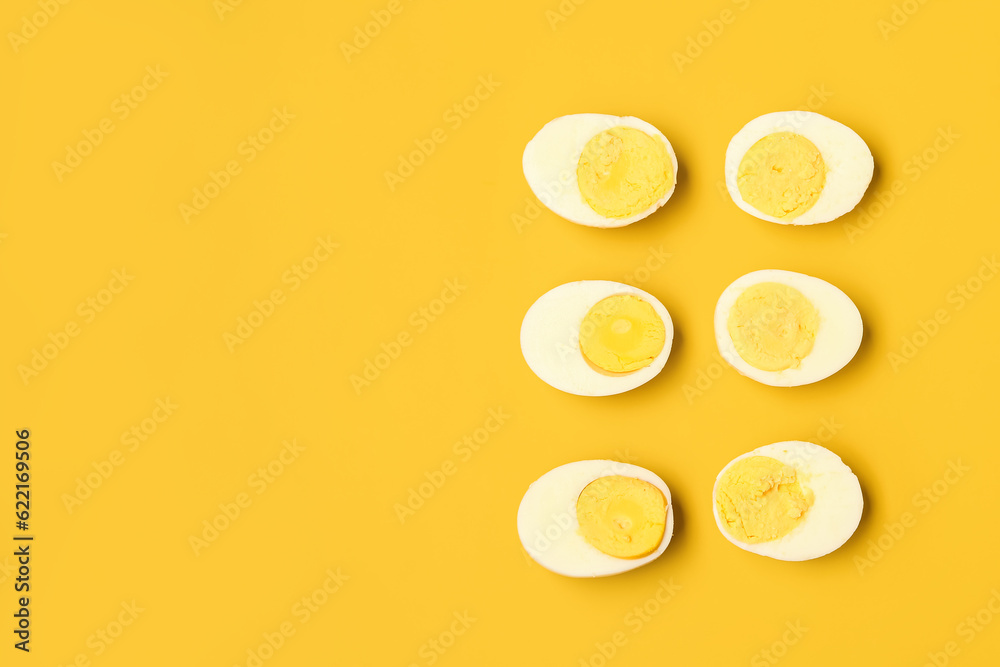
(595, 518)
(596, 337)
(790, 501)
(600, 170)
(785, 329)
(797, 168)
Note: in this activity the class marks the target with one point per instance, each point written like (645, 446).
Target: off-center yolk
(624, 171)
(621, 333)
(782, 175)
(773, 326)
(760, 499)
(624, 517)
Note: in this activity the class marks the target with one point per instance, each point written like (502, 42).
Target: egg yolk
(624, 171)
(773, 326)
(760, 499)
(782, 175)
(624, 517)
(621, 334)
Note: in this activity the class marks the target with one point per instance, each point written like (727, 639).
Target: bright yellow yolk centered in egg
(773, 326)
(761, 499)
(624, 171)
(624, 517)
(782, 175)
(622, 333)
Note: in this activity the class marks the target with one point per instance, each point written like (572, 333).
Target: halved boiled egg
(600, 170)
(790, 501)
(797, 168)
(786, 329)
(596, 337)
(595, 518)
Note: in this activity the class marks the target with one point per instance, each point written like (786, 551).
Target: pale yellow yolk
(773, 326)
(624, 517)
(782, 175)
(624, 171)
(761, 499)
(622, 333)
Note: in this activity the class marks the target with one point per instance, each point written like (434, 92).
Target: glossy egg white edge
(550, 160)
(849, 162)
(548, 528)
(836, 511)
(837, 339)
(550, 339)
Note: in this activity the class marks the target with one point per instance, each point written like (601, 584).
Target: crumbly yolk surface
(782, 175)
(761, 499)
(773, 326)
(622, 516)
(621, 334)
(624, 171)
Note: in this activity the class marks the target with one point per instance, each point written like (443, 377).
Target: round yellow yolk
(773, 326)
(622, 333)
(624, 171)
(761, 499)
(782, 175)
(624, 517)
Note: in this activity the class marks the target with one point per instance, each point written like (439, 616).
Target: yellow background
(452, 219)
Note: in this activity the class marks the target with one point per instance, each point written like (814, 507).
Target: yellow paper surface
(232, 257)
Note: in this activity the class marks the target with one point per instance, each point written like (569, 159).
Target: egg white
(837, 338)
(548, 528)
(834, 515)
(848, 160)
(550, 339)
(550, 161)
